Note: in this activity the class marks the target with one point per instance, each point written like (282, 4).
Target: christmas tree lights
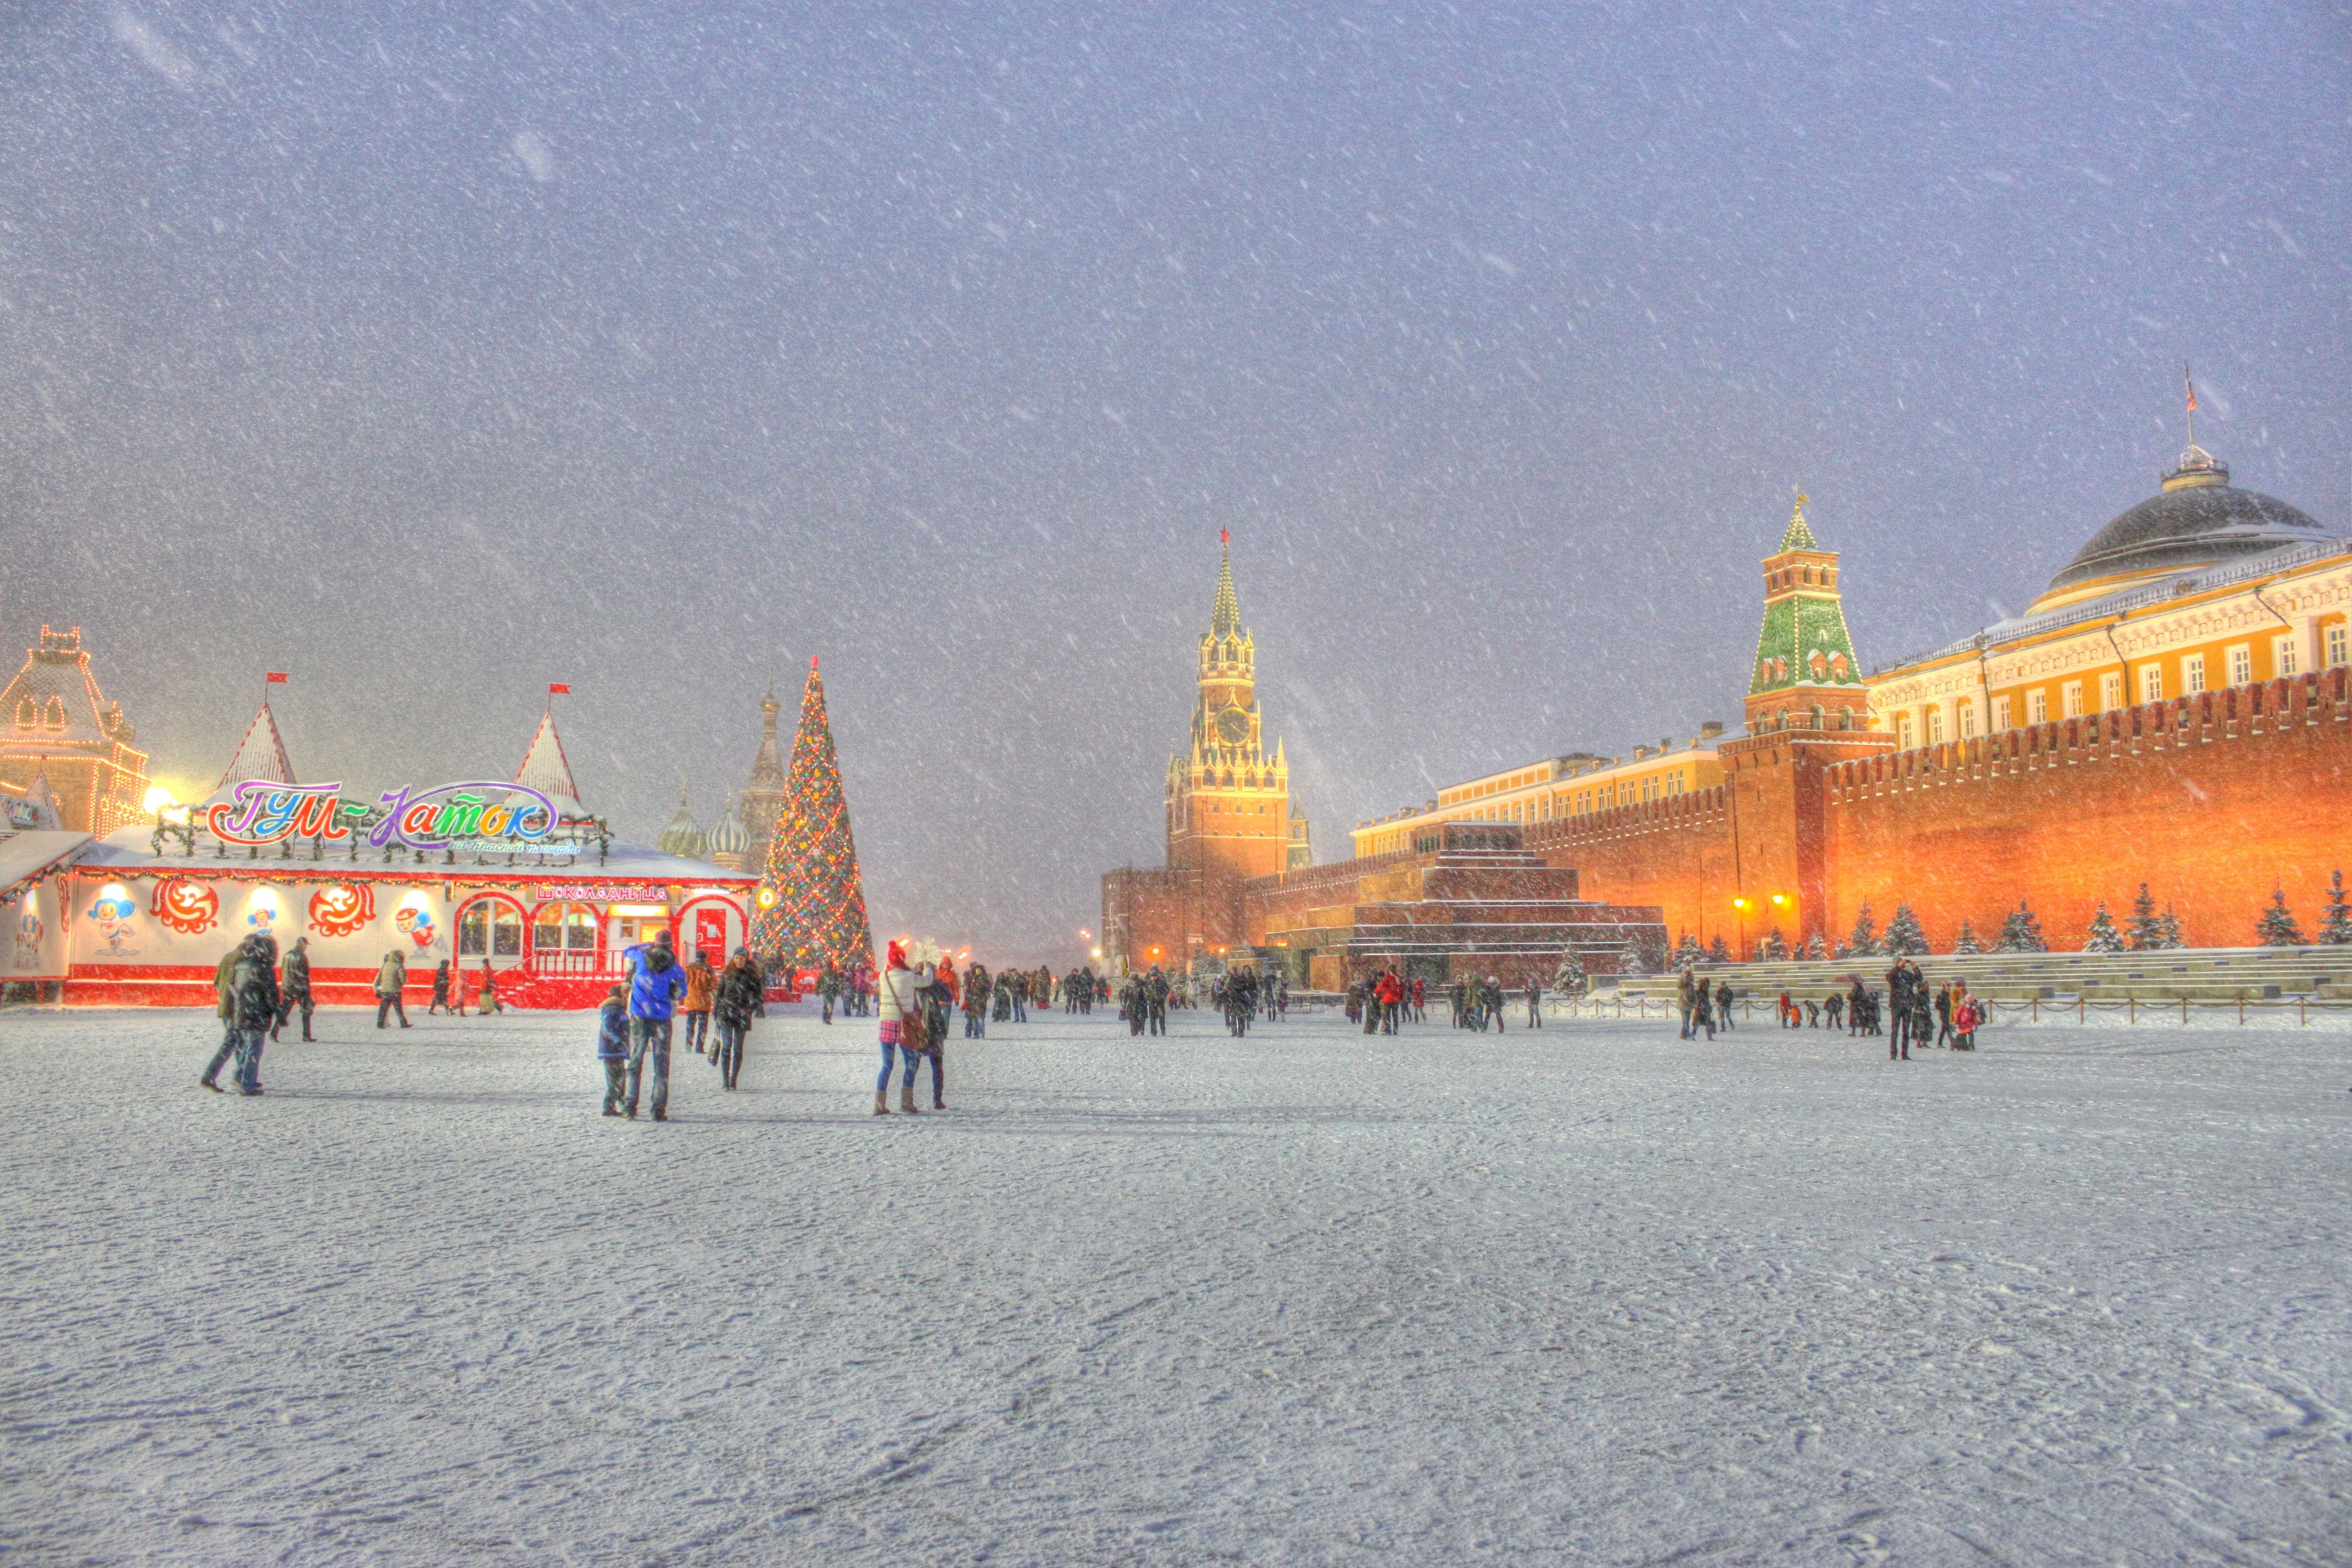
(811, 906)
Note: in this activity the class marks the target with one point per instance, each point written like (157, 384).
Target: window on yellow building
(2242, 664)
(2339, 646)
(2111, 691)
(2071, 696)
(2037, 707)
(2192, 673)
(1902, 731)
(2000, 714)
(2151, 683)
(1969, 720)
(2283, 659)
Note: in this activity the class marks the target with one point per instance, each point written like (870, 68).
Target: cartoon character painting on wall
(261, 912)
(415, 918)
(111, 914)
(24, 949)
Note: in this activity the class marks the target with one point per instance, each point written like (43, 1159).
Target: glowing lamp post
(1742, 905)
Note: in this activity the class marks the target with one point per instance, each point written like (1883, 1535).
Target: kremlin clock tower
(1229, 803)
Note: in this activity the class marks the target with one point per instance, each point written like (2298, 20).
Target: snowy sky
(436, 352)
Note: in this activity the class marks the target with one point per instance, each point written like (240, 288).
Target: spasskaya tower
(1229, 803)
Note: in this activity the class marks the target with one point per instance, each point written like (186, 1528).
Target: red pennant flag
(277, 678)
(557, 689)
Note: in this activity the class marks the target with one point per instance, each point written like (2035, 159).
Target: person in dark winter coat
(224, 1009)
(656, 985)
(613, 1046)
(739, 998)
(294, 986)
(253, 987)
(1723, 1006)
(440, 988)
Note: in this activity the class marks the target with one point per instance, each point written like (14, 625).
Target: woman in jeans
(899, 992)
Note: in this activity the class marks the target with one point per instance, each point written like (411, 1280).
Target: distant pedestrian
(701, 981)
(1723, 1006)
(1535, 1004)
(440, 989)
(739, 998)
(391, 980)
(294, 986)
(897, 998)
(486, 996)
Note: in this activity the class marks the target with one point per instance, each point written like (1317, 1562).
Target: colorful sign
(185, 906)
(606, 892)
(266, 813)
(341, 908)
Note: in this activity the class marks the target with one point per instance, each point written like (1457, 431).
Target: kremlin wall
(2173, 709)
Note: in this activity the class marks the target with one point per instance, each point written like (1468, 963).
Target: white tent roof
(547, 769)
(260, 756)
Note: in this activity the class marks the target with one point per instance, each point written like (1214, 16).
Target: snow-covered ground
(1591, 1294)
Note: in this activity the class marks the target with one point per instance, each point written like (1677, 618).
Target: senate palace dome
(2198, 521)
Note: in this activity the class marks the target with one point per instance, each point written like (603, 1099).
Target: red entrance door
(710, 936)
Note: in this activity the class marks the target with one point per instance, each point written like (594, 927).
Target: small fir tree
(2021, 932)
(1688, 953)
(2103, 937)
(1903, 938)
(2169, 937)
(1863, 941)
(1629, 962)
(1774, 948)
(2147, 928)
(1568, 979)
(1815, 948)
(1719, 951)
(1968, 943)
(2277, 927)
(2336, 921)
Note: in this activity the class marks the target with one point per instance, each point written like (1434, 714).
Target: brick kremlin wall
(2213, 800)
(1674, 854)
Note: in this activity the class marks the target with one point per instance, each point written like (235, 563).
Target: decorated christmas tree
(1968, 943)
(2335, 920)
(2147, 928)
(811, 908)
(2103, 937)
(2021, 932)
(2277, 927)
(1903, 937)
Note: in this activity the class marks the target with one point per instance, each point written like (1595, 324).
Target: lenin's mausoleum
(2173, 709)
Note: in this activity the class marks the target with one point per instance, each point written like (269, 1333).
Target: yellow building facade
(2203, 587)
(1553, 790)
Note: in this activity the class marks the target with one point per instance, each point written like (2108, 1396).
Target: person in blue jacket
(613, 1046)
(657, 982)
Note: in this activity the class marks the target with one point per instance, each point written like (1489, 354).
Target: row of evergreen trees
(2147, 930)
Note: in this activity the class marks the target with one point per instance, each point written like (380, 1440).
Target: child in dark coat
(613, 1048)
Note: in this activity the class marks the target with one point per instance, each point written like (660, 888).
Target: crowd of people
(1908, 1012)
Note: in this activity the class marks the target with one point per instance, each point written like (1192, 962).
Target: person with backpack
(740, 996)
(613, 1046)
(656, 983)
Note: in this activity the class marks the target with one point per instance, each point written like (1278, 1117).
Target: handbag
(911, 1036)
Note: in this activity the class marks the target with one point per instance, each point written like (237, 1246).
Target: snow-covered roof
(27, 855)
(130, 849)
(547, 769)
(260, 758)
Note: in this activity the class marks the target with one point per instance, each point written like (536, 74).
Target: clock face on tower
(1233, 726)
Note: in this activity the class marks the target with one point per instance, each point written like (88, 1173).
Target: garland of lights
(811, 907)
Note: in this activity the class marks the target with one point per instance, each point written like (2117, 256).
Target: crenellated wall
(2213, 800)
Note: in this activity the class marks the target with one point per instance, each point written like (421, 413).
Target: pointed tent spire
(1799, 536)
(1225, 616)
(547, 769)
(260, 756)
